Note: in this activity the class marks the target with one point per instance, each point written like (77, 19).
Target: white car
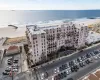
(42, 76)
(56, 70)
(15, 70)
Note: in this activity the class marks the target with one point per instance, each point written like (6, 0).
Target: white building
(46, 39)
(93, 37)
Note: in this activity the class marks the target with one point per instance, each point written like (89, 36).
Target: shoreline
(19, 30)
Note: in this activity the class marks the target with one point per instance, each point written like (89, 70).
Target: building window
(42, 35)
(36, 44)
(34, 36)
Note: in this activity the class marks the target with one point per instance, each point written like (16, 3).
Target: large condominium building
(44, 40)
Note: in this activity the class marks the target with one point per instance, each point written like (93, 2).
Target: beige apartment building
(44, 40)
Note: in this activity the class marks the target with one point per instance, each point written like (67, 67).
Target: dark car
(72, 69)
(15, 61)
(88, 55)
(7, 70)
(71, 63)
(65, 74)
(5, 73)
(9, 63)
(87, 61)
(70, 79)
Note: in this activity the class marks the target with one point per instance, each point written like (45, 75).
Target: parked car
(81, 64)
(71, 63)
(88, 55)
(70, 79)
(9, 63)
(15, 61)
(5, 73)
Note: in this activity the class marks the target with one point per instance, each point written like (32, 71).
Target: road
(51, 67)
(85, 70)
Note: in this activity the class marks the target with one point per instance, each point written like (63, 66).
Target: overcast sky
(49, 4)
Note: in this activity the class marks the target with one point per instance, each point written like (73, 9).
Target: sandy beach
(11, 32)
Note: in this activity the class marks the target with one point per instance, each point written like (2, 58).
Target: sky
(49, 4)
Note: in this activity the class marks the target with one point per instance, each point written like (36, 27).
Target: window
(36, 44)
(35, 55)
(33, 42)
(42, 35)
(53, 31)
(34, 36)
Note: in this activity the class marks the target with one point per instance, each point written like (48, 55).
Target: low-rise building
(47, 39)
(92, 37)
(92, 76)
(12, 50)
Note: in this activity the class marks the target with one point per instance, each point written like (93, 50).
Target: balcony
(58, 36)
(52, 45)
(50, 37)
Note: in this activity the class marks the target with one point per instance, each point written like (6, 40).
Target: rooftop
(93, 76)
(38, 29)
(93, 37)
(15, 40)
(12, 47)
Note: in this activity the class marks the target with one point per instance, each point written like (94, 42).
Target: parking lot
(72, 65)
(10, 67)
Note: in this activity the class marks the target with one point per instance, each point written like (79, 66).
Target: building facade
(44, 40)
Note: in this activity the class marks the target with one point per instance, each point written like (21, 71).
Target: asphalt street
(83, 71)
(51, 67)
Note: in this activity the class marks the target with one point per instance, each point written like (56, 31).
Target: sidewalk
(24, 61)
(24, 66)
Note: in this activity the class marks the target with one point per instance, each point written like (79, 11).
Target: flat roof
(38, 29)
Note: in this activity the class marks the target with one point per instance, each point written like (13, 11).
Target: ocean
(34, 16)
